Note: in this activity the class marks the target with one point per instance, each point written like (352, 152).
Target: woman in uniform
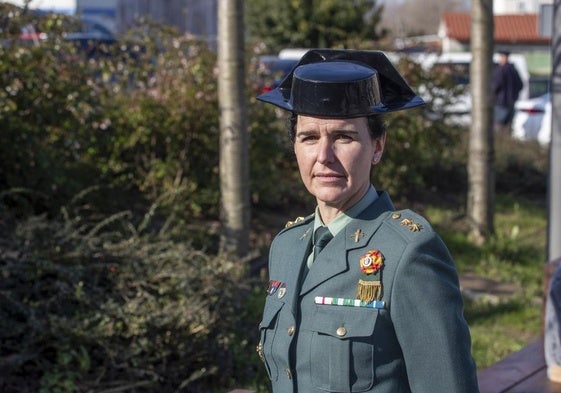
(362, 297)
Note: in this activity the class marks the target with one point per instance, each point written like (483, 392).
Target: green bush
(46, 107)
(162, 121)
(103, 303)
(140, 114)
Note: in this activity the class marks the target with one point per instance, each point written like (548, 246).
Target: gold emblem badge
(411, 224)
(260, 351)
(370, 288)
(358, 235)
(371, 262)
(290, 223)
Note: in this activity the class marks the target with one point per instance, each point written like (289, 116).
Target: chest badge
(370, 285)
(305, 233)
(359, 234)
(273, 286)
(282, 291)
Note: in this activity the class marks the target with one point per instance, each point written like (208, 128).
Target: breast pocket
(268, 330)
(342, 348)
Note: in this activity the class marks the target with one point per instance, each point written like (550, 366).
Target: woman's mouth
(328, 177)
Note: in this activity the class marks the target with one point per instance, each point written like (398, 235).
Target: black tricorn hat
(343, 84)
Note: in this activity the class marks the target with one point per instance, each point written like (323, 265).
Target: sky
(59, 5)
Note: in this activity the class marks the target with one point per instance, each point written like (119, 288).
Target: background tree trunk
(234, 161)
(481, 180)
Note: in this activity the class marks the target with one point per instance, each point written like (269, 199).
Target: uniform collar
(343, 219)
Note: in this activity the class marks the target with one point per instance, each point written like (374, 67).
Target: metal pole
(554, 189)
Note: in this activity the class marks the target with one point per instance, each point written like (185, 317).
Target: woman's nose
(325, 151)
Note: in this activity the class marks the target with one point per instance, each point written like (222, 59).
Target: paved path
(475, 287)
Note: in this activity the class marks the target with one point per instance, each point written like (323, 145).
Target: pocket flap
(344, 322)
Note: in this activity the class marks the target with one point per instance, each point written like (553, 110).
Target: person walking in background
(361, 297)
(507, 85)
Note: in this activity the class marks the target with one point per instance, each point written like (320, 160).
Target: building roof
(509, 29)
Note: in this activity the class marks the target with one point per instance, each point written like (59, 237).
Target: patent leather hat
(343, 84)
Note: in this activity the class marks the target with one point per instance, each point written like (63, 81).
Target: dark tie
(322, 236)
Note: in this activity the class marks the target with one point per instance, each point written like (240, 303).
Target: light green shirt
(341, 221)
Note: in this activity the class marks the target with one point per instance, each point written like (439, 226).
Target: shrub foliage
(89, 305)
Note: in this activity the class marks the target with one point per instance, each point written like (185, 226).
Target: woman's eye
(344, 137)
(310, 138)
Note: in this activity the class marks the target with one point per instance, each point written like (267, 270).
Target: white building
(502, 7)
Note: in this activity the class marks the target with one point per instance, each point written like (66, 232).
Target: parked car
(293, 53)
(92, 36)
(272, 70)
(532, 119)
(91, 28)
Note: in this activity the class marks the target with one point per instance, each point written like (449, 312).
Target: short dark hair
(376, 126)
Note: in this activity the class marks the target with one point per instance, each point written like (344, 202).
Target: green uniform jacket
(417, 340)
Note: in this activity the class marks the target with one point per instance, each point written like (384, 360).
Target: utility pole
(554, 185)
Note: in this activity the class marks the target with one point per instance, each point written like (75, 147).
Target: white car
(532, 119)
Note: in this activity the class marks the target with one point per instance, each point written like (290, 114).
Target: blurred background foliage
(305, 24)
(110, 277)
(143, 114)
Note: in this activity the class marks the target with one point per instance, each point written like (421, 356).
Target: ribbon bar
(339, 301)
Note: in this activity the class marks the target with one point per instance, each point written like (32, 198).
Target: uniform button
(341, 331)
(288, 373)
(291, 330)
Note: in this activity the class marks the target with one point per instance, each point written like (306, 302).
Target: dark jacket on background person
(506, 85)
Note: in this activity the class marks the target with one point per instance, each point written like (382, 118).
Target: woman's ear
(379, 144)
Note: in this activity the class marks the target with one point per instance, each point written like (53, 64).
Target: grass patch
(501, 329)
(515, 254)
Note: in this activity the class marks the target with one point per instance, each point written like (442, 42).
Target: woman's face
(334, 157)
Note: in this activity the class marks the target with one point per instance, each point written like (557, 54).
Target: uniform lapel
(360, 230)
(295, 258)
(330, 262)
